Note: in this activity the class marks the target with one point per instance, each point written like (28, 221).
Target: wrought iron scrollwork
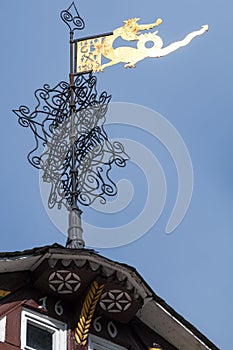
(76, 144)
(51, 110)
(72, 18)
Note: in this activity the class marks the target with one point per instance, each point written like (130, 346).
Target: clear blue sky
(192, 268)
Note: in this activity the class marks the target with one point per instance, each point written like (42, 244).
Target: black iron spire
(72, 148)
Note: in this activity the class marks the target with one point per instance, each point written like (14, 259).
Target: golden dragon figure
(131, 31)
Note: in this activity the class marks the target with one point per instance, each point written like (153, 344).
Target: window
(39, 332)
(97, 343)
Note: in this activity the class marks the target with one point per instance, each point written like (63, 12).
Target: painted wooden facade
(74, 300)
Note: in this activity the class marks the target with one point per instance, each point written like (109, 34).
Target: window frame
(99, 343)
(57, 328)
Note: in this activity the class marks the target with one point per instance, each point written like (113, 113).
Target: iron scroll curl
(56, 148)
(72, 18)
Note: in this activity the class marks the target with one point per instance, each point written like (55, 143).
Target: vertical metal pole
(74, 240)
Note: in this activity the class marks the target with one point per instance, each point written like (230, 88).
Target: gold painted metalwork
(90, 52)
(4, 293)
(87, 312)
(87, 57)
(155, 347)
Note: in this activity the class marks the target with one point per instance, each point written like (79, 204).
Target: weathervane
(68, 124)
(68, 120)
(91, 51)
